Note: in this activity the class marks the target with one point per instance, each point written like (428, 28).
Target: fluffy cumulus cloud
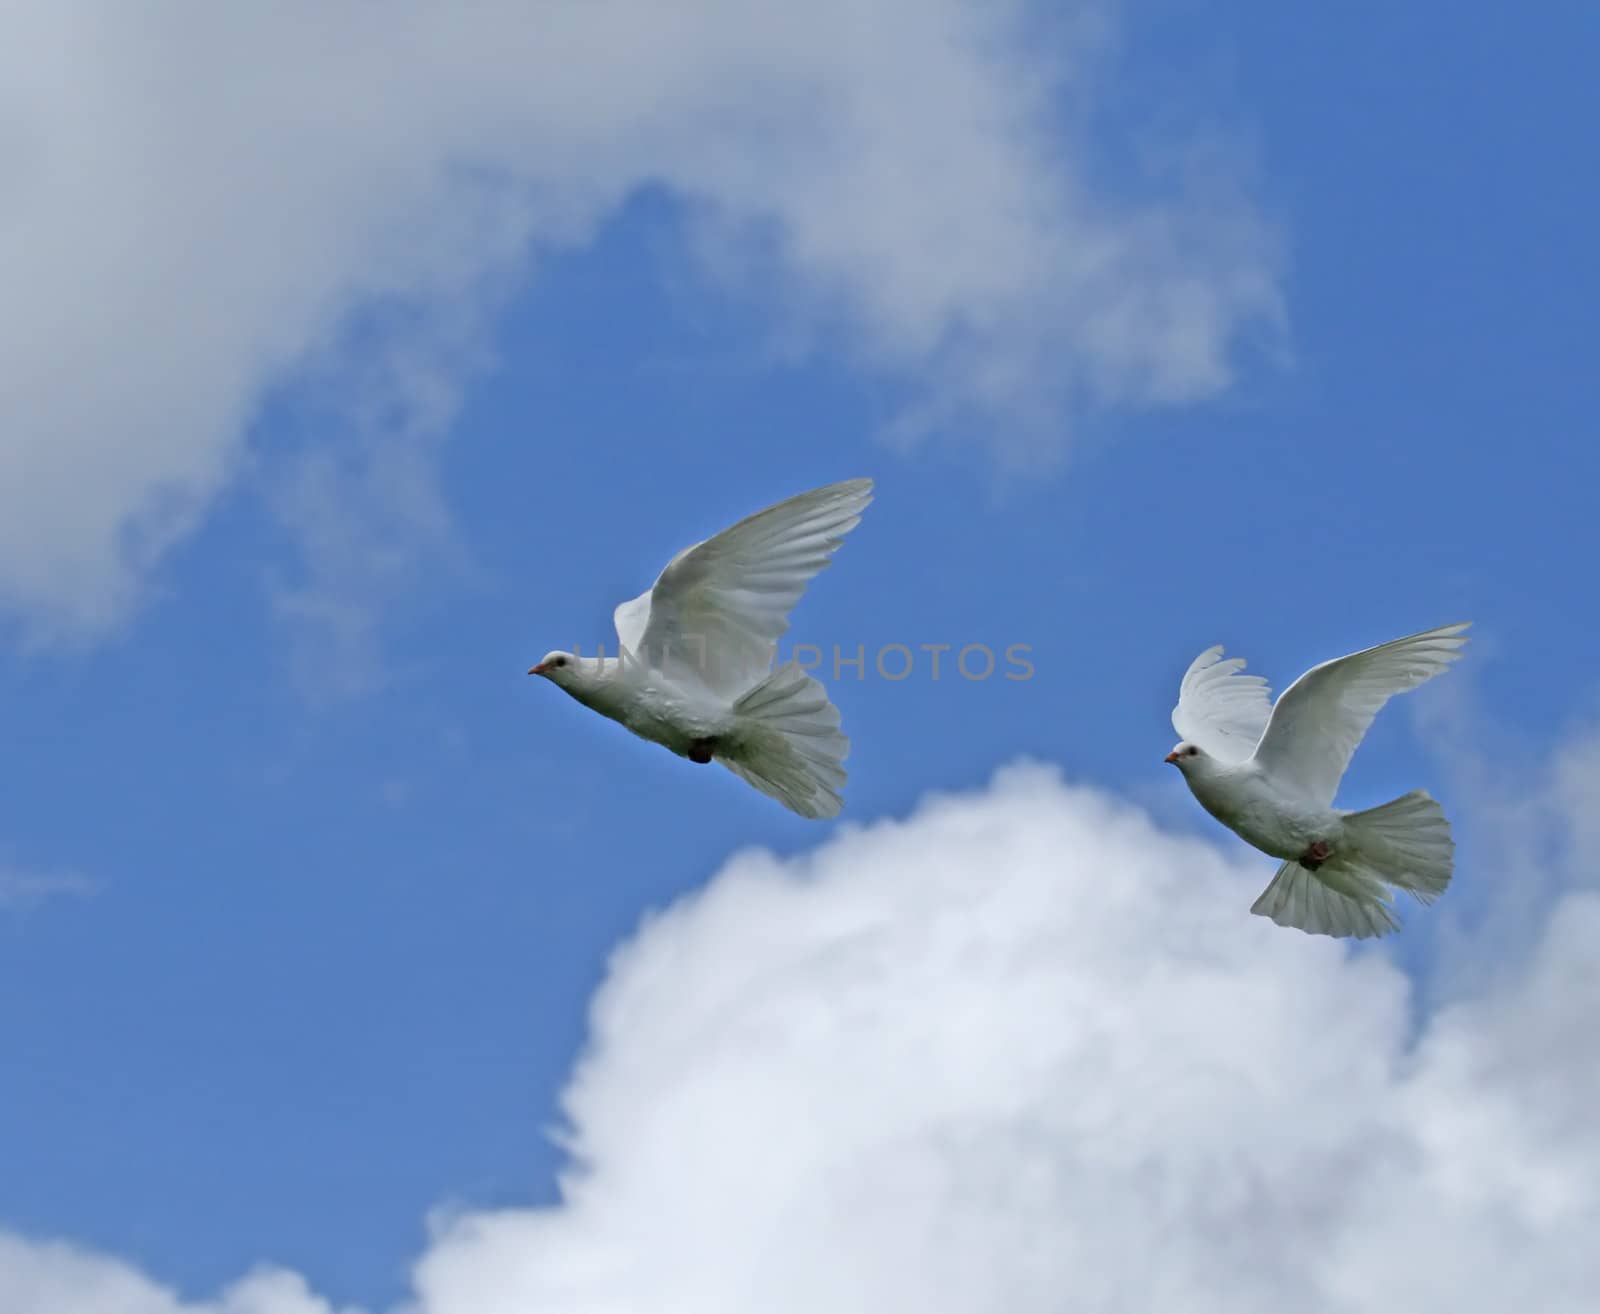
(1025, 1051)
(201, 199)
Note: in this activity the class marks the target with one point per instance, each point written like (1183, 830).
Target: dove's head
(1188, 758)
(558, 667)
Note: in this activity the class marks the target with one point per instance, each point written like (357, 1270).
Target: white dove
(1269, 774)
(695, 668)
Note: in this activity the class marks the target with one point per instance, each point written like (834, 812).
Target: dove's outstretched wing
(1322, 716)
(1219, 709)
(718, 609)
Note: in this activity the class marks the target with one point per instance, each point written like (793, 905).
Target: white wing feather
(1321, 718)
(1220, 710)
(630, 618)
(718, 609)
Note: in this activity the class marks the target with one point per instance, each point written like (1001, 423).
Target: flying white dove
(695, 669)
(1269, 774)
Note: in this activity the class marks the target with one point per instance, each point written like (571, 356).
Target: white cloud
(56, 1278)
(198, 198)
(1028, 1051)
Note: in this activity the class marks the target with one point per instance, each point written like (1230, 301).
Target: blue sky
(352, 897)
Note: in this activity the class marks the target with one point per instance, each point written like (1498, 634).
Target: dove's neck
(599, 682)
(1223, 790)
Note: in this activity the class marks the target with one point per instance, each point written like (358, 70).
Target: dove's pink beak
(1171, 757)
(537, 670)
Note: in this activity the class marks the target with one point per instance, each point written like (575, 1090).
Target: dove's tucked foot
(1317, 853)
(700, 750)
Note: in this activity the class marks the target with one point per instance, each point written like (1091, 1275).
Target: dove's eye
(1192, 751)
(561, 661)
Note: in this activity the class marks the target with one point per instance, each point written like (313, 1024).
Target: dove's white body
(1269, 772)
(650, 704)
(695, 671)
(1279, 822)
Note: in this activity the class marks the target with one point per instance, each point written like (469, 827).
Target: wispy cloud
(199, 207)
(1525, 819)
(24, 889)
(365, 515)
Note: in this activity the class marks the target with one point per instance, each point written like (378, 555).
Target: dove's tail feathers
(788, 745)
(1333, 900)
(1404, 844)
